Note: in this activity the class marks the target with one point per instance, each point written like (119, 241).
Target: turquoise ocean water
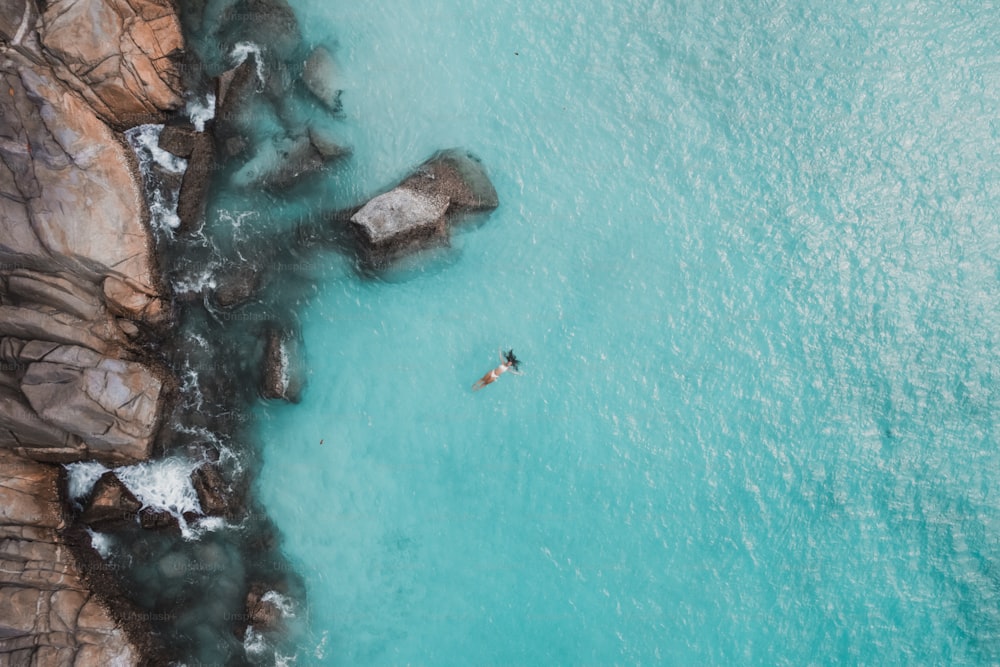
(748, 253)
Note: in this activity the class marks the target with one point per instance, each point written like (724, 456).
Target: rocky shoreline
(80, 299)
(90, 361)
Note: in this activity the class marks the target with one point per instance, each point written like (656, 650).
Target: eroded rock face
(59, 167)
(419, 211)
(109, 404)
(119, 55)
(49, 615)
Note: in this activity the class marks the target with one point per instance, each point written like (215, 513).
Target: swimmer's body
(509, 363)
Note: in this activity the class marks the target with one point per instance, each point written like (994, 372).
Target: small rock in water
(212, 490)
(320, 76)
(151, 518)
(282, 374)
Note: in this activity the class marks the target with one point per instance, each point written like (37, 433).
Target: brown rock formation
(50, 616)
(78, 283)
(117, 54)
(213, 493)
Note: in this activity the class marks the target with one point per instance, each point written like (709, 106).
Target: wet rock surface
(281, 373)
(420, 210)
(111, 505)
(213, 493)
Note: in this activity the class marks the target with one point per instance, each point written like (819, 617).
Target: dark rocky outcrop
(419, 211)
(263, 613)
(212, 490)
(111, 506)
(233, 90)
(178, 139)
(151, 518)
(270, 22)
(282, 375)
(236, 284)
(197, 179)
(274, 382)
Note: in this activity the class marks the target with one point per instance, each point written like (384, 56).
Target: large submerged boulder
(419, 211)
(320, 76)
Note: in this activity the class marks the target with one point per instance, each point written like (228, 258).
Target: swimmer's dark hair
(512, 360)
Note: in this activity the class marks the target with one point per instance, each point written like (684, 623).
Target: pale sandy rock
(418, 211)
(401, 215)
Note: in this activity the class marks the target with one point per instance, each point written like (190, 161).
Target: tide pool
(748, 255)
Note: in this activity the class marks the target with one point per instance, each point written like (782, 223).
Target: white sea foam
(254, 642)
(100, 542)
(240, 52)
(283, 603)
(145, 142)
(81, 478)
(196, 282)
(320, 652)
(201, 112)
(283, 353)
(165, 485)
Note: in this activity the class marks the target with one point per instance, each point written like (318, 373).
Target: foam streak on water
(747, 253)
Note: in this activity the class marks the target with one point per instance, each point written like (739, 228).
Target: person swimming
(510, 363)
